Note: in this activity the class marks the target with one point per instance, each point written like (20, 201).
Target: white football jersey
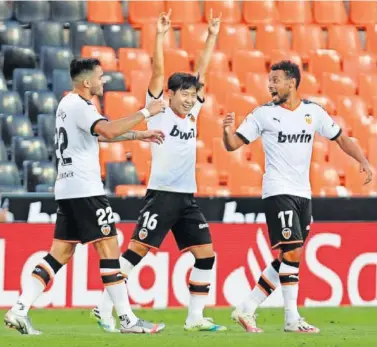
(173, 162)
(77, 149)
(287, 137)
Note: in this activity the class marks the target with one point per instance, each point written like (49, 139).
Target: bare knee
(294, 255)
(62, 251)
(201, 252)
(138, 248)
(107, 248)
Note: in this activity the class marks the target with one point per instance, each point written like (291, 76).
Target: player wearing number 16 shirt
(84, 214)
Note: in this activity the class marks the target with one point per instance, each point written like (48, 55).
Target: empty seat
(193, 37)
(28, 148)
(118, 36)
(245, 174)
(120, 173)
(68, 11)
(260, 12)
(18, 125)
(367, 88)
(271, 37)
(184, 12)
(38, 172)
(10, 103)
(54, 58)
(231, 11)
(139, 84)
(210, 126)
(330, 12)
(363, 12)
(46, 129)
(176, 60)
(306, 39)
(133, 59)
(105, 54)
(39, 102)
(221, 84)
(47, 33)
(344, 39)
(131, 190)
(85, 34)
(32, 11)
(308, 84)
(353, 65)
(352, 108)
(219, 61)
(324, 60)
(334, 85)
(206, 175)
(28, 79)
(278, 55)
(245, 61)
(120, 104)
(371, 44)
(3, 151)
(295, 12)
(61, 82)
(11, 33)
(322, 100)
(234, 37)
(105, 12)
(114, 82)
(17, 57)
(6, 10)
(240, 104)
(9, 176)
(148, 34)
(322, 176)
(257, 85)
(140, 12)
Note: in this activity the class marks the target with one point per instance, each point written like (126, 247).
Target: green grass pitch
(347, 326)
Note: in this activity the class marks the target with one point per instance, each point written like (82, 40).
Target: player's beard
(282, 99)
(96, 91)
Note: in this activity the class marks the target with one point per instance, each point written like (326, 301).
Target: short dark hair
(79, 66)
(182, 81)
(290, 69)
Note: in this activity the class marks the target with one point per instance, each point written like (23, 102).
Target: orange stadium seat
(367, 88)
(193, 38)
(110, 152)
(256, 153)
(354, 180)
(319, 152)
(324, 60)
(176, 60)
(374, 106)
(133, 59)
(105, 12)
(184, 12)
(141, 157)
(371, 45)
(363, 12)
(308, 84)
(372, 156)
(334, 85)
(306, 39)
(361, 132)
(120, 104)
(206, 175)
(240, 104)
(95, 101)
(279, 55)
(148, 35)
(130, 190)
(245, 61)
(209, 128)
(341, 122)
(322, 100)
(337, 158)
(105, 54)
(330, 12)
(221, 84)
(140, 12)
(295, 12)
(139, 84)
(272, 37)
(337, 191)
(231, 11)
(202, 153)
(245, 174)
(257, 85)
(219, 61)
(213, 191)
(353, 65)
(233, 37)
(344, 39)
(210, 106)
(260, 12)
(322, 176)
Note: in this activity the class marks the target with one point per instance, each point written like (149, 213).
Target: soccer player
(287, 126)
(169, 203)
(84, 214)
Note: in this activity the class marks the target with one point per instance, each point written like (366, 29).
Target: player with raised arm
(287, 126)
(169, 203)
(84, 214)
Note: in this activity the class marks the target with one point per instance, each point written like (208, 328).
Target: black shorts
(84, 219)
(178, 212)
(288, 219)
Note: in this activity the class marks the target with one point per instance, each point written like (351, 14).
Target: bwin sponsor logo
(182, 135)
(294, 138)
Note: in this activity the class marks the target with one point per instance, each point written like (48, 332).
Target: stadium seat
(367, 88)
(374, 107)
(140, 12)
(141, 157)
(371, 44)
(324, 60)
(120, 173)
(133, 59)
(308, 84)
(54, 58)
(130, 190)
(148, 35)
(211, 106)
(38, 172)
(206, 175)
(344, 39)
(363, 12)
(47, 33)
(46, 130)
(329, 12)
(184, 12)
(260, 12)
(323, 176)
(209, 127)
(139, 84)
(245, 174)
(319, 154)
(272, 37)
(111, 152)
(31, 11)
(337, 158)
(85, 34)
(306, 39)
(176, 60)
(15, 125)
(257, 85)
(219, 61)
(221, 84)
(120, 104)
(10, 103)
(341, 122)
(202, 153)
(105, 12)
(68, 11)
(231, 11)
(28, 148)
(3, 83)
(105, 54)
(328, 104)
(118, 36)
(114, 82)
(372, 157)
(295, 12)
(12, 34)
(278, 55)
(255, 153)
(28, 79)
(233, 38)
(240, 104)
(353, 65)
(334, 85)
(352, 108)
(3, 151)
(245, 61)
(6, 10)
(213, 191)
(61, 82)
(193, 37)
(9, 177)
(17, 57)
(39, 102)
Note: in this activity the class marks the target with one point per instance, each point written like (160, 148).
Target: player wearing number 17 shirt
(287, 126)
(84, 214)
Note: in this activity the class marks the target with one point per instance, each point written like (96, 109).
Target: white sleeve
(326, 126)
(251, 128)
(149, 97)
(88, 117)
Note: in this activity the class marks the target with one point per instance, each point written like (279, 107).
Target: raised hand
(365, 167)
(163, 22)
(214, 23)
(229, 122)
(156, 106)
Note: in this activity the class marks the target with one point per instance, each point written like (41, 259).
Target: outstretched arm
(156, 83)
(155, 136)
